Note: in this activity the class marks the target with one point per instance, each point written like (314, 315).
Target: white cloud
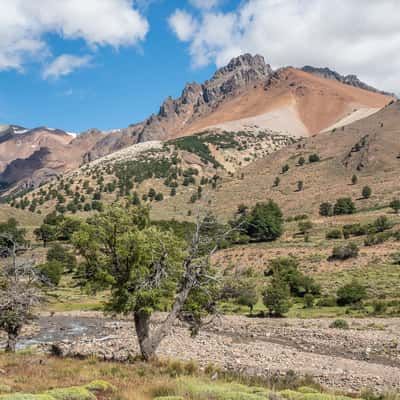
(357, 36)
(183, 24)
(24, 24)
(65, 64)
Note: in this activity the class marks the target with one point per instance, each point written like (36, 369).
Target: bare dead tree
(19, 289)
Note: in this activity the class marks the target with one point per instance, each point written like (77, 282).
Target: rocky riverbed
(365, 356)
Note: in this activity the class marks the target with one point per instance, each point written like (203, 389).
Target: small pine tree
(354, 179)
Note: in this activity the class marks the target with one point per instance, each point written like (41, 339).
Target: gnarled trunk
(12, 340)
(142, 325)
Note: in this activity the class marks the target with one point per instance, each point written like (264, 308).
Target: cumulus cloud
(358, 36)
(65, 64)
(25, 23)
(183, 24)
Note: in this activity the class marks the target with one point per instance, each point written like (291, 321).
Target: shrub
(381, 224)
(301, 161)
(339, 324)
(309, 300)
(327, 301)
(366, 192)
(277, 181)
(379, 307)
(305, 227)
(57, 252)
(265, 222)
(276, 297)
(334, 234)
(378, 238)
(354, 179)
(351, 293)
(285, 168)
(326, 209)
(313, 158)
(300, 186)
(395, 205)
(52, 271)
(344, 206)
(354, 230)
(345, 252)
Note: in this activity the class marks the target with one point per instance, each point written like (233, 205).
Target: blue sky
(80, 66)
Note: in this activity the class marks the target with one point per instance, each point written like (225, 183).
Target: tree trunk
(142, 325)
(12, 342)
(149, 342)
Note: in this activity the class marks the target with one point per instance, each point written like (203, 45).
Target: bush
(285, 168)
(352, 293)
(301, 161)
(345, 252)
(313, 158)
(309, 300)
(366, 192)
(326, 209)
(287, 270)
(395, 205)
(339, 324)
(265, 222)
(334, 234)
(305, 227)
(381, 224)
(379, 307)
(344, 206)
(378, 238)
(327, 301)
(57, 252)
(52, 271)
(354, 230)
(276, 297)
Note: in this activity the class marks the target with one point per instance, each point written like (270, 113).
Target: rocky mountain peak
(351, 79)
(244, 64)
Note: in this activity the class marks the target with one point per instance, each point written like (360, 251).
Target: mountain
(245, 95)
(31, 156)
(351, 79)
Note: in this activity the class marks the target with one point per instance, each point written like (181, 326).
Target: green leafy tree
(265, 222)
(366, 192)
(276, 297)
(52, 271)
(344, 205)
(395, 205)
(59, 253)
(313, 158)
(326, 209)
(147, 269)
(351, 293)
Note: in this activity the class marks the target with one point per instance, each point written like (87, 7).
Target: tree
(300, 186)
(277, 181)
(302, 161)
(344, 206)
(285, 168)
(52, 270)
(57, 252)
(19, 287)
(265, 222)
(395, 205)
(326, 209)
(146, 269)
(366, 192)
(313, 158)
(305, 227)
(276, 297)
(354, 179)
(351, 293)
